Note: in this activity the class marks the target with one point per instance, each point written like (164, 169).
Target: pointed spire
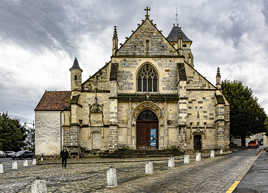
(115, 42)
(218, 71)
(115, 33)
(75, 65)
(218, 79)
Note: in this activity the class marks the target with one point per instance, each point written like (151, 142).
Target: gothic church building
(148, 96)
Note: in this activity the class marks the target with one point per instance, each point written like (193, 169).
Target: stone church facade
(148, 96)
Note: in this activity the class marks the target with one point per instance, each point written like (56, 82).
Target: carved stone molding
(148, 105)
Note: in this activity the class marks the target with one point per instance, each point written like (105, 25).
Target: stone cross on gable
(147, 9)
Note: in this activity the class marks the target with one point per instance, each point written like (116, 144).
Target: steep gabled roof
(91, 77)
(174, 35)
(139, 26)
(54, 101)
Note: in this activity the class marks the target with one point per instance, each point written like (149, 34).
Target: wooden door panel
(144, 135)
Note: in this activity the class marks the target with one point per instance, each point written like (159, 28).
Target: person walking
(64, 156)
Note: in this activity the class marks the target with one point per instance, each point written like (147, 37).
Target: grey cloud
(265, 11)
(33, 24)
(56, 24)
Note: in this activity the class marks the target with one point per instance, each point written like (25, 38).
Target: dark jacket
(64, 154)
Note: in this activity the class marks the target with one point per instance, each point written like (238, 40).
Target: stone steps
(140, 153)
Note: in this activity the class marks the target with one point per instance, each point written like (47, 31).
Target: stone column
(182, 102)
(220, 124)
(113, 128)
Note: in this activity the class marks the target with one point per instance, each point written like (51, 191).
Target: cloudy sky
(40, 38)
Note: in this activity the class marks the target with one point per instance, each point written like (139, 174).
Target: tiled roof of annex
(54, 101)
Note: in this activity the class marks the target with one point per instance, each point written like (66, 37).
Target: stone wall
(165, 68)
(201, 108)
(47, 132)
(147, 40)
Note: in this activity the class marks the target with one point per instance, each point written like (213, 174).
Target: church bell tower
(76, 76)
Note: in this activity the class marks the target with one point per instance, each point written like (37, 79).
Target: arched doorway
(147, 130)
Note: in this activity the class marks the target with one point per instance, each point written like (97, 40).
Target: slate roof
(76, 65)
(174, 35)
(54, 101)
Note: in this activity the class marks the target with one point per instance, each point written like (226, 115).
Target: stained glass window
(147, 79)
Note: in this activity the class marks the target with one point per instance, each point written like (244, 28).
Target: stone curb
(126, 161)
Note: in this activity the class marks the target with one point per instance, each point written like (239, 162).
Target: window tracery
(147, 79)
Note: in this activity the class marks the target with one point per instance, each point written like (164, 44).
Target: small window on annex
(147, 79)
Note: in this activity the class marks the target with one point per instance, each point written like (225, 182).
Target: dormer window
(147, 79)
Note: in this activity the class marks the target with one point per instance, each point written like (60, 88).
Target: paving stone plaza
(89, 175)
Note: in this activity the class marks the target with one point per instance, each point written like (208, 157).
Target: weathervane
(176, 15)
(147, 9)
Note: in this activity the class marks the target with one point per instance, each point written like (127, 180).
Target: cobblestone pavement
(203, 177)
(216, 174)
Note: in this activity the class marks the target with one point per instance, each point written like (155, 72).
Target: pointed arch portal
(147, 130)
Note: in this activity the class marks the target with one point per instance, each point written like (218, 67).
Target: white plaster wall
(47, 132)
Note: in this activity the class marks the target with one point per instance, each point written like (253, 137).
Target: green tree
(30, 137)
(12, 133)
(246, 115)
(266, 126)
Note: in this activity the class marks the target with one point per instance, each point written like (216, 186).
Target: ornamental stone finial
(147, 9)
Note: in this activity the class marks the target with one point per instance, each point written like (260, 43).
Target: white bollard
(111, 177)
(42, 159)
(198, 156)
(149, 168)
(14, 165)
(212, 154)
(186, 159)
(221, 151)
(171, 162)
(39, 186)
(1, 169)
(25, 163)
(34, 162)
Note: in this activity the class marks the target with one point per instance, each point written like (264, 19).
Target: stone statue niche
(96, 114)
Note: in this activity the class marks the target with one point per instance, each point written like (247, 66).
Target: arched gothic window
(147, 79)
